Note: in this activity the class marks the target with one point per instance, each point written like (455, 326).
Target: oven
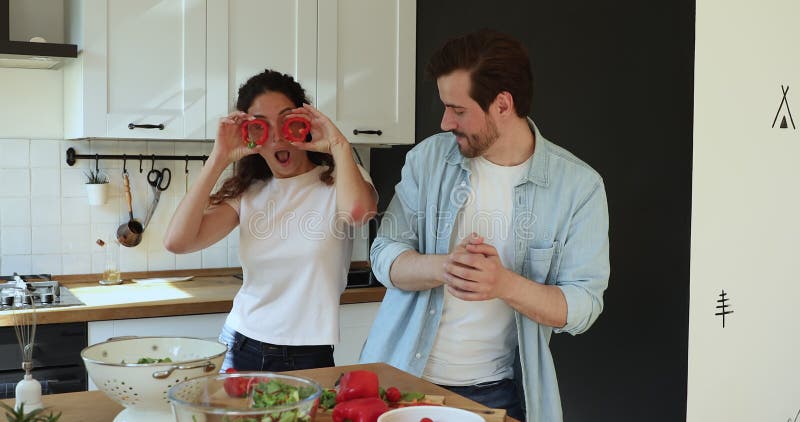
(57, 362)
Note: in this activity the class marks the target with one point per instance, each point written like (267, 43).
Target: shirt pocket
(539, 264)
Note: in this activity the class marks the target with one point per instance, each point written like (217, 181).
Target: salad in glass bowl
(245, 397)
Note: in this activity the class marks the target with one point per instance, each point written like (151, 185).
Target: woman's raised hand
(324, 134)
(229, 144)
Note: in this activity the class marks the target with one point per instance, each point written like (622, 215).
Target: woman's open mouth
(282, 156)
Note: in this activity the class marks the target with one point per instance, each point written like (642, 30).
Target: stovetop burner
(40, 290)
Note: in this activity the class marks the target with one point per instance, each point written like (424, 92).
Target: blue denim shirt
(561, 234)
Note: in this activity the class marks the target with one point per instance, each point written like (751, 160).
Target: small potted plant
(36, 415)
(97, 187)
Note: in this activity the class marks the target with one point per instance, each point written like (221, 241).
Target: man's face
(475, 129)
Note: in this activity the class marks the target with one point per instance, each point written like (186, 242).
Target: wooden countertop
(73, 406)
(210, 291)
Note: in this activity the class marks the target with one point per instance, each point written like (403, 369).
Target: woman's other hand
(229, 145)
(324, 134)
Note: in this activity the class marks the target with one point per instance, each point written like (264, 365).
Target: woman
(294, 204)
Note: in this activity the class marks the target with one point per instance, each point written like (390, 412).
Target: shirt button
(432, 312)
(418, 355)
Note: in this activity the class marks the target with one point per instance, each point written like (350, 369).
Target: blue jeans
(246, 354)
(501, 394)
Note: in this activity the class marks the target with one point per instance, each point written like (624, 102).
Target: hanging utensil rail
(73, 156)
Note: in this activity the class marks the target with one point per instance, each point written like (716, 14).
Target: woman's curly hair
(253, 168)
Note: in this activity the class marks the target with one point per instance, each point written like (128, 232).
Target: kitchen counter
(210, 291)
(102, 409)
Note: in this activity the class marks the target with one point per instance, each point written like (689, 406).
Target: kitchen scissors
(159, 182)
(159, 179)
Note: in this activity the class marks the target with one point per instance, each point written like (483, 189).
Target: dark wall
(613, 83)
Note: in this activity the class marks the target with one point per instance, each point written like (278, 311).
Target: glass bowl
(245, 396)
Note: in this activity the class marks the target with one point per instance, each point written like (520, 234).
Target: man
(495, 239)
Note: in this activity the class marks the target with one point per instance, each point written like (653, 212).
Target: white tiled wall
(48, 226)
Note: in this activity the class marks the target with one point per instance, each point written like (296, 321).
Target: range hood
(28, 54)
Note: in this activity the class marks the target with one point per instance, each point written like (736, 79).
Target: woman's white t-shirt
(294, 258)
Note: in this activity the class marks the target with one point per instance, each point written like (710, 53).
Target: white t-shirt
(294, 261)
(476, 340)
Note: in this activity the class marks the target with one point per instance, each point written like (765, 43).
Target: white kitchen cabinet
(205, 326)
(248, 36)
(366, 68)
(139, 63)
(355, 321)
(355, 58)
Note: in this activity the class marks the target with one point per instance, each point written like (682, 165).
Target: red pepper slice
(295, 129)
(255, 132)
(365, 409)
(357, 384)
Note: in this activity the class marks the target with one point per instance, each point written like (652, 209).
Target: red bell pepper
(357, 384)
(295, 129)
(248, 133)
(360, 410)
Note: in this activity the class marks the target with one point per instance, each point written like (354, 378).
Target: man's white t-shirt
(476, 340)
(295, 259)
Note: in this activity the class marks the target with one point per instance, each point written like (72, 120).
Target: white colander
(142, 388)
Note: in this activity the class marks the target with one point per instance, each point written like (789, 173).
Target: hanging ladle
(129, 234)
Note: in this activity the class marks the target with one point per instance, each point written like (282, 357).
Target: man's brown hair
(495, 61)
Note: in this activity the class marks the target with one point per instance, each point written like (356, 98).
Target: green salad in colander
(151, 360)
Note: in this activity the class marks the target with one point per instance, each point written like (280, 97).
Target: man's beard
(478, 143)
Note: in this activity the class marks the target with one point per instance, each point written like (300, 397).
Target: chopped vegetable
(327, 400)
(150, 360)
(267, 393)
(154, 360)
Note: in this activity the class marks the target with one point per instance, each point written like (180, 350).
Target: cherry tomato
(236, 386)
(426, 420)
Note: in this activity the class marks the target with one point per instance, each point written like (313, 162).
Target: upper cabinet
(141, 70)
(366, 68)
(170, 69)
(355, 58)
(247, 36)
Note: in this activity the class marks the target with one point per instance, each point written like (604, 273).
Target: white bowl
(436, 413)
(142, 388)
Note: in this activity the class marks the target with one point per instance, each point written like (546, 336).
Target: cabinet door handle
(368, 132)
(132, 126)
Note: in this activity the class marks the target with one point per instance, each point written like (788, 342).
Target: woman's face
(282, 157)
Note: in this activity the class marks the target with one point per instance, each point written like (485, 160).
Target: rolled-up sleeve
(585, 269)
(398, 230)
